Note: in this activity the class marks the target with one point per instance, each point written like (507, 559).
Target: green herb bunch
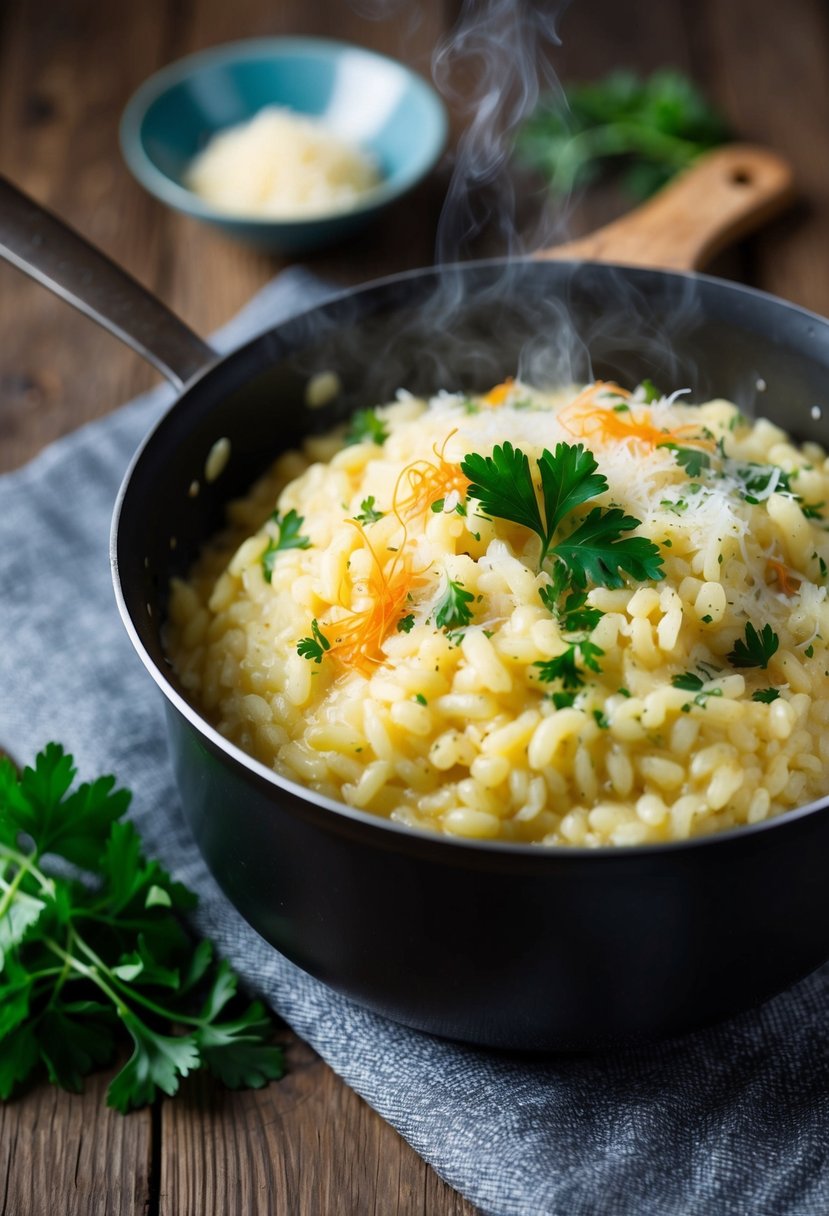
(653, 128)
(91, 946)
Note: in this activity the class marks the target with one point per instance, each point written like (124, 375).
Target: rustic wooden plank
(69, 1154)
(304, 1146)
(62, 83)
(770, 76)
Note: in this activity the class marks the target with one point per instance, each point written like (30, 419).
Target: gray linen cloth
(733, 1121)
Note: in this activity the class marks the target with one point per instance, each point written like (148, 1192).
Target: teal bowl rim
(169, 191)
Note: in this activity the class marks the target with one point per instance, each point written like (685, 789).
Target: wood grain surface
(305, 1146)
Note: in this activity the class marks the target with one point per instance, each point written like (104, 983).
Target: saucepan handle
(42, 246)
(725, 194)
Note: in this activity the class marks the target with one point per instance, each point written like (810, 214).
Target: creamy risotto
(581, 618)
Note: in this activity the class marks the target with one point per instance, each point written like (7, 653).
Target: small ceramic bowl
(364, 97)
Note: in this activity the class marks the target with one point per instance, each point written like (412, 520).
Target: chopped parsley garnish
(574, 615)
(651, 392)
(366, 427)
(766, 695)
(94, 954)
(760, 480)
(562, 700)
(688, 682)
(810, 650)
(757, 648)
(601, 720)
(563, 666)
(421, 700)
(676, 505)
(368, 512)
(440, 505)
(453, 611)
(692, 460)
(289, 537)
(314, 647)
(707, 619)
(812, 510)
(596, 550)
(406, 623)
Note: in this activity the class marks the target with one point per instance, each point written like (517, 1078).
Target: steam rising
(464, 326)
(492, 69)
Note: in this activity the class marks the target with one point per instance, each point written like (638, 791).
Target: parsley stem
(131, 992)
(25, 865)
(89, 973)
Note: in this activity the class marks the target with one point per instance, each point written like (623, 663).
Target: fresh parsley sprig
(453, 611)
(692, 460)
(575, 615)
(288, 537)
(366, 426)
(368, 512)
(596, 550)
(91, 946)
(314, 647)
(757, 649)
(653, 127)
(564, 666)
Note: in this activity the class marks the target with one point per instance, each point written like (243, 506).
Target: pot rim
(610, 854)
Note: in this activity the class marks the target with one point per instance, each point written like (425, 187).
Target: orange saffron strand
(498, 394)
(787, 584)
(357, 638)
(428, 482)
(588, 419)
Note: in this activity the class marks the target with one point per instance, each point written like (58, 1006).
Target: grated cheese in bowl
(281, 165)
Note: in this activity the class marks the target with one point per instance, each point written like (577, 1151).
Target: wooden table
(307, 1144)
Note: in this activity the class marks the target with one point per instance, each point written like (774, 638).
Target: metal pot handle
(47, 249)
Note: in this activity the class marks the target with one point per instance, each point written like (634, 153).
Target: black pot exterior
(497, 945)
(532, 949)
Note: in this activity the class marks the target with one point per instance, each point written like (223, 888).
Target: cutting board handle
(722, 196)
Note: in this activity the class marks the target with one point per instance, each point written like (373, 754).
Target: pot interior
(464, 329)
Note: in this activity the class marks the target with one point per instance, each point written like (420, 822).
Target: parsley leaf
(366, 427)
(654, 126)
(92, 946)
(289, 537)
(368, 513)
(651, 392)
(314, 647)
(688, 682)
(452, 611)
(574, 615)
(503, 485)
(568, 479)
(692, 460)
(595, 551)
(757, 648)
(766, 695)
(406, 623)
(563, 666)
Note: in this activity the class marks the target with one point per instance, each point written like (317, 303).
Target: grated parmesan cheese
(281, 165)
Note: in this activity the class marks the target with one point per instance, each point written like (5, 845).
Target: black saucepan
(507, 946)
